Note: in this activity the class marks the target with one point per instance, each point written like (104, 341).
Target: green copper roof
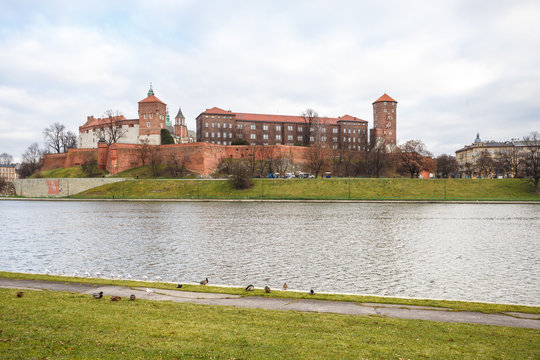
(150, 92)
(167, 118)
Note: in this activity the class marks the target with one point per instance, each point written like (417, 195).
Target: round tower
(384, 120)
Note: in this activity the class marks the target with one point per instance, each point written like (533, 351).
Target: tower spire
(150, 91)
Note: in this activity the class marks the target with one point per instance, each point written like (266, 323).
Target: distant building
(153, 117)
(8, 172)
(218, 126)
(469, 157)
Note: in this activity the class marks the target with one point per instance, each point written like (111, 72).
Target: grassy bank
(330, 189)
(454, 305)
(45, 324)
(72, 172)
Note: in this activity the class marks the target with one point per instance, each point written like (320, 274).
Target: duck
(250, 287)
(204, 282)
(311, 292)
(132, 297)
(266, 289)
(149, 290)
(178, 286)
(285, 287)
(98, 295)
(20, 293)
(159, 278)
(116, 298)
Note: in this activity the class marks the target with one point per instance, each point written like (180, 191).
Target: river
(478, 252)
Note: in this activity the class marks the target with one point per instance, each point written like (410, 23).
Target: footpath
(510, 319)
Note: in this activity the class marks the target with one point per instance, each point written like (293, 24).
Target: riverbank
(210, 325)
(335, 189)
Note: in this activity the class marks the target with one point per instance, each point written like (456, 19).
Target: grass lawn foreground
(47, 324)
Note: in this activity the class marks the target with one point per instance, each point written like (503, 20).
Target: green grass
(454, 305)
(72, 172)
(324, 189)
(145, 172)
(45, 324)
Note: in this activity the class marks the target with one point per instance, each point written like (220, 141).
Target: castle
(115, 128)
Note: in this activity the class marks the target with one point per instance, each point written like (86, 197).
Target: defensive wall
(58, 187)
(201, 158)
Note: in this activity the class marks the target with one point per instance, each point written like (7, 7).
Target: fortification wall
(58, 187)
(202, 158)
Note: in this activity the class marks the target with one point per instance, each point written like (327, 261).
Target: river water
(448, 251)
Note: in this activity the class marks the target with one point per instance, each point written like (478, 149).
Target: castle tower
(384, 120)
(180, 128)
(152, 116)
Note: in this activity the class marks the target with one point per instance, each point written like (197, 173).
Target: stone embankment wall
(58, 187)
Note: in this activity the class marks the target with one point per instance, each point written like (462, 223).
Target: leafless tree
(112, 130)
(468, 169)
(144, 149)
(177, 163)
(69, 141)
(484, 164)
(311, 122)
(378, 158)
(532, 157)
(30, 161)
(155, 160)
(317, 157)
(447, 166)
(6, 159)
(412, 157)
(54, 135)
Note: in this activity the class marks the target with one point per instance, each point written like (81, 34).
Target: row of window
(278, 127)
(150, 116)
(218, 116)
(278, 137)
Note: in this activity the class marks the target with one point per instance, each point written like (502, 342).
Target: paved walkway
(531, 321)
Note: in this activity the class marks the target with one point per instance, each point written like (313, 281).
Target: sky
(454, 67)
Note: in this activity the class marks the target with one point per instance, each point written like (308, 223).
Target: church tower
(180, 128)
(384, 120)
(152, 115)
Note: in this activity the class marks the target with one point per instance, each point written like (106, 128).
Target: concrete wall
(58, 187)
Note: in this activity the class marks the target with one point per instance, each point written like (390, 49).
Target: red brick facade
(384, 120)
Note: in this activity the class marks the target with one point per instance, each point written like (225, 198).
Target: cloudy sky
(455, 67)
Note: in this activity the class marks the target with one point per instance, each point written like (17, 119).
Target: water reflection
(470, 252)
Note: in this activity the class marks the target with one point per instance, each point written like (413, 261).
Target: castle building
(218, 126)
(384, 120)
(153, 116)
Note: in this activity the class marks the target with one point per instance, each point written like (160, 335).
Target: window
(239, 126)
(299, 137)
(219, 125)
(353, 139)
(219, 142)
(290, 128)
(289, 137)
(240, 136)
(213, 116)
(230, 125)
(323, 129)
(212, 124)
(265, 136)
(206, 124)
(311, 138)
(252, 136)
(265, 127)
(278, 137)
(151, 115)
(335, 130)
(334, 146)
(354, 131)
(349, 131)
(252, 126)
(148, 124)
(218, 134)
(299, 128)
(230, 135)
(334, 139)
(206, 134)
(278, 127)
(344, 131)
(212, 134)
(218, 116)
(145, 116)
(323, 138)
(206, 116)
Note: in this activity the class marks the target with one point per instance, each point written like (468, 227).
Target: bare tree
(54, 135)
(177, 163)
(112, 130)
(484, 164)
(532, 157)
(69, 141)
(378, 158)
(317, 157)
(30, 161)
(468, 169)
(144, 149)
(6, 159)
(155, 160)
(412, 157)
(447, 166)
(311, 120)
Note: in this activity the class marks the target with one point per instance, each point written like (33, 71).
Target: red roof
(278, 118)
(150, 99)
(216, 110)
(384, 97)
(98, 122)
